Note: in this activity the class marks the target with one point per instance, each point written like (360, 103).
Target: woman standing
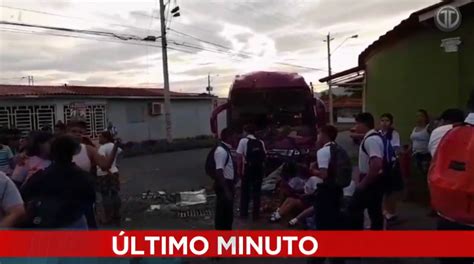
(420, 138)
(108, 181)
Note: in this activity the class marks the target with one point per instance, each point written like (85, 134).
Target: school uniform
(224, 214)
(371, 197)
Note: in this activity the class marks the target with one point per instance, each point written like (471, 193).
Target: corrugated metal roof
(87, 91)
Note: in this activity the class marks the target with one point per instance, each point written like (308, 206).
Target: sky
(220, 38)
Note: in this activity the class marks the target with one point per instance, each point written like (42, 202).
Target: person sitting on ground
(37, 157)
(68, 187)
(448, 119)
(296, 200)
(12, 210)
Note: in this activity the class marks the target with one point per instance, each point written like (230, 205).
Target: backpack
(390, 167)
(210, 166)
(255, 155)
(451, 176)
(340, 166)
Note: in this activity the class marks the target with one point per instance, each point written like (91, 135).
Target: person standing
(224, 176)
(6, 159)
(108, 182)
(12, 210)
(370, 189)
(251, 153)
(448, 119)
(65, 190)
(420, 138)
(37, 157)
(395, 184)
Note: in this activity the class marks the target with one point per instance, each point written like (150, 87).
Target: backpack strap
(226, 150)
(372, 135)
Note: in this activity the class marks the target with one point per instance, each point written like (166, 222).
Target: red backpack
(451, 176)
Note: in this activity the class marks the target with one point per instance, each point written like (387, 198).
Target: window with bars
(95, 117)
(27, 118)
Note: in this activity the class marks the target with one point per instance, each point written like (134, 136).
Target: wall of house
(190, 118)
(415, 72)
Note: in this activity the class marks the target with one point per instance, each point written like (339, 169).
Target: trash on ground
(193, 198)
(155, 207)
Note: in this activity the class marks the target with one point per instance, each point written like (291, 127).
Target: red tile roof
(87, 91)
(345, 102)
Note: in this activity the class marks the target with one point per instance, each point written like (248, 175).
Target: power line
(68, 17)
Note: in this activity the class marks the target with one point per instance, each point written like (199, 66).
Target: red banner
(236, 244)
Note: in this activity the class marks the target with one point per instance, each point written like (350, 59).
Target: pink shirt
(29, 167)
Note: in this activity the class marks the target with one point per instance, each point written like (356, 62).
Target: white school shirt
(220, 157)
(420, 140)
(242, 147)
(324, 156)
(374, 147)
(439, 133)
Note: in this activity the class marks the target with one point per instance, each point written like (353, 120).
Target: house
(416, 65)
(137, 113)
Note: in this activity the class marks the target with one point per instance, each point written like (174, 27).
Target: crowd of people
(318, 191)
(58, 180)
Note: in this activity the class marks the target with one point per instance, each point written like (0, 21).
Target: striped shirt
(5, 157)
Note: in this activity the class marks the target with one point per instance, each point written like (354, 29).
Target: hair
(250, 128)
(76, 123)
(59, 125)
(226, 134)
(35, 140)
(63, 148)
(453, 115)
(367, 119)
(388, 116)
(470, 102)
(107, 135)
(425, 114)
(330, 131)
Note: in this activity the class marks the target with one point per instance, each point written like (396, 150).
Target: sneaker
(293, 222)
(275, 217)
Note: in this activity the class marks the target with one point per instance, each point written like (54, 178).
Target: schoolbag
(255, 155)
(340, 166)
(390, 166)
(451, 176)
(210, 166)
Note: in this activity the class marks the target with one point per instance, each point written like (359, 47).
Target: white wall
(189, 118)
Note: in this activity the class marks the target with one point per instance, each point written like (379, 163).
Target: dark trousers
(371, 199)
(446, 225)
(90, 217)
(224, 215)
(251, 188)
(327, 214)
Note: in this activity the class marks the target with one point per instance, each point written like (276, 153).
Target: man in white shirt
(224, 182)
(370, 189)
(448, 119)
(251, 155)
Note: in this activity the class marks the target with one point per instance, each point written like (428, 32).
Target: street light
(328, 40)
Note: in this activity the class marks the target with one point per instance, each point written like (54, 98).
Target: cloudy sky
(240, 36)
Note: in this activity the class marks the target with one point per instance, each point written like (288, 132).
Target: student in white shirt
(12, 210)
(448, 118)
(392, 139)
(370, 190)
(224, 182)
(251, 152)
(108, 182)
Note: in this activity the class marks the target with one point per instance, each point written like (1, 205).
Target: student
(12, 210)
(251, 153)
(37, 157)
(395, 184)
(370, 189)
(224, 182)
(446, 222)
(108, 182)
(420, 138)
(68, 188)
(448, 118)
(6, 155)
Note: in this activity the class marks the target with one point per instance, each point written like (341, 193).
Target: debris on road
(193, 198)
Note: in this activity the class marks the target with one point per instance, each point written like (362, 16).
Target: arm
(220, 157)
(240, 157)
(324, 156)
(104, 162)
(14, 215)
(375, 166)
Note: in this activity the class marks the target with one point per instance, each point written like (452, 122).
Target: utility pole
(331, 109)
(209, 83)
(169, 135)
